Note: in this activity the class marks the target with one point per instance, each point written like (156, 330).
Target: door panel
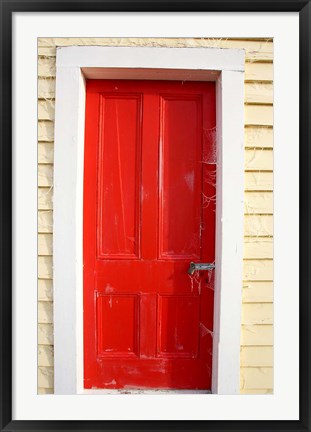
(119, 176)
(180, 177)
(149, 209)
(120, 340)
(178, 326)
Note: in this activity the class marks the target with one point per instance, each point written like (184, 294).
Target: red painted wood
(149, 209)
(180, 176)
(119, 195)
(178, 326)
(123, 310)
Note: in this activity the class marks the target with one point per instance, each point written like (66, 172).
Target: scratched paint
(189, 179)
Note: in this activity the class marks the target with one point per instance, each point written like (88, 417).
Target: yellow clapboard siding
(45, 267)
(254, 270)
(256, 391)
(258, 92)
(42, 391)
(45, 334)
(256, 335)
(258, 225)
(45, 221)
(258, 248)
(46, 131)
(51, 42)
(46, 109)
(254, 50)
(45, 244)
(259, 181)
(45, 153)
(46, 88)
(45, 355)
(47, 51)
(257, 313)
(258, 202)
(258, 160)
(45, 289)
(45, 377)
(257, 292)
(45, 198)
(256, 356)
(258, 71)
(45, 312)
(259, 115)
(46, 67)
(256, 378)
(45, 174)
(258, 136)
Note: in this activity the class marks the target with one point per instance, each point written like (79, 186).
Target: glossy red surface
(149, 209)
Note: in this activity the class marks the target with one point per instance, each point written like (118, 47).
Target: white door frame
(73, 66)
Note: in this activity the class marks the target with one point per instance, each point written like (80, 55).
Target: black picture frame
(7, 8)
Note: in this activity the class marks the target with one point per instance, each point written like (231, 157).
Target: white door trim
(73, 65)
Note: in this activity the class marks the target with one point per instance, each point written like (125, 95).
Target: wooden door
(149, 210)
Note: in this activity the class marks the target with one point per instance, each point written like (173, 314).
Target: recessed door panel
(180, 176)
(178, 326)
(117, 325)
(119, 170)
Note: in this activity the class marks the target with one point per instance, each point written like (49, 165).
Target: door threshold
(140, 391)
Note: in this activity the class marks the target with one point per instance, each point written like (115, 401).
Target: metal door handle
(200, 267)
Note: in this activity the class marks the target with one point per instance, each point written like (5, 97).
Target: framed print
(155, 215)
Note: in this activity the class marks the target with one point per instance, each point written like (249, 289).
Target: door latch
(200, 267)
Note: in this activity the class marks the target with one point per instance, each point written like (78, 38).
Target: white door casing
(73, 66)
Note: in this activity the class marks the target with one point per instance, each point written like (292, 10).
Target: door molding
(73, 66)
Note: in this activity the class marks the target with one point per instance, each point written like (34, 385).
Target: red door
(149, 211)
